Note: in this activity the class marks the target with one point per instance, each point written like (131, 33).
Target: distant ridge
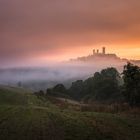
(97, 56)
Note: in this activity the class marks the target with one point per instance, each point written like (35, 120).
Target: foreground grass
(45, 123)
(23, 116)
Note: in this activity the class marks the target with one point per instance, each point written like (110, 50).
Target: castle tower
(103, 50)
(93, 51)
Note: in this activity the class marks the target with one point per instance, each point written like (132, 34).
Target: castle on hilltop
(103, 57)
(103, 54)
(97, 55)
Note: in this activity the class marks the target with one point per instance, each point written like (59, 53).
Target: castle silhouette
(97, 55)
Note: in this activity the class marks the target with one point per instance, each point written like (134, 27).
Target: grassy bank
(32, 118)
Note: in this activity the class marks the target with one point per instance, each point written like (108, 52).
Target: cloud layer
(34, 27)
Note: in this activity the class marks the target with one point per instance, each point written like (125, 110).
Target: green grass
(27, 117)
(13, 96)
(19, 96)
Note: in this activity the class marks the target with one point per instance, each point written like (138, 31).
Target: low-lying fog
(44, 77)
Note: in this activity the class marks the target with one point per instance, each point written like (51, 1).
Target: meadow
(25, 116)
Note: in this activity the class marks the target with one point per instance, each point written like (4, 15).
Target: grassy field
(23, 116)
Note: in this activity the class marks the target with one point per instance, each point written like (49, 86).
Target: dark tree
(76, 89)
(103, 86)
(59, 88)
(106, 84)
(58, 91)
(131, 76)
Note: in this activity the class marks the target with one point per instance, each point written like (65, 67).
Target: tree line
(105, 86)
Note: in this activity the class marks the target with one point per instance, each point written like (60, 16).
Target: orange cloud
(58, 30)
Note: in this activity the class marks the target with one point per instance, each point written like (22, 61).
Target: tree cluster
(131, 77)
(107, 85)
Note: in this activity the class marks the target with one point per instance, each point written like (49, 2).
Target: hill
(103, 57)
(10, 95)
(25, 116)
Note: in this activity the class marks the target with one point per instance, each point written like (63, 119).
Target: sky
(34, 32)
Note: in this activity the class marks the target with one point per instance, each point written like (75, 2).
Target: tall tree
(131, 76)
(106, 84)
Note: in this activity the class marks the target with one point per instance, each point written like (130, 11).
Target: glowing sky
(37, 31)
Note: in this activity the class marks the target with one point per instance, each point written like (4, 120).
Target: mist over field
(44, 77)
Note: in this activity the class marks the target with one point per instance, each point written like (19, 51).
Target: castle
(103, 57)
(97, 55)
(97, 51)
